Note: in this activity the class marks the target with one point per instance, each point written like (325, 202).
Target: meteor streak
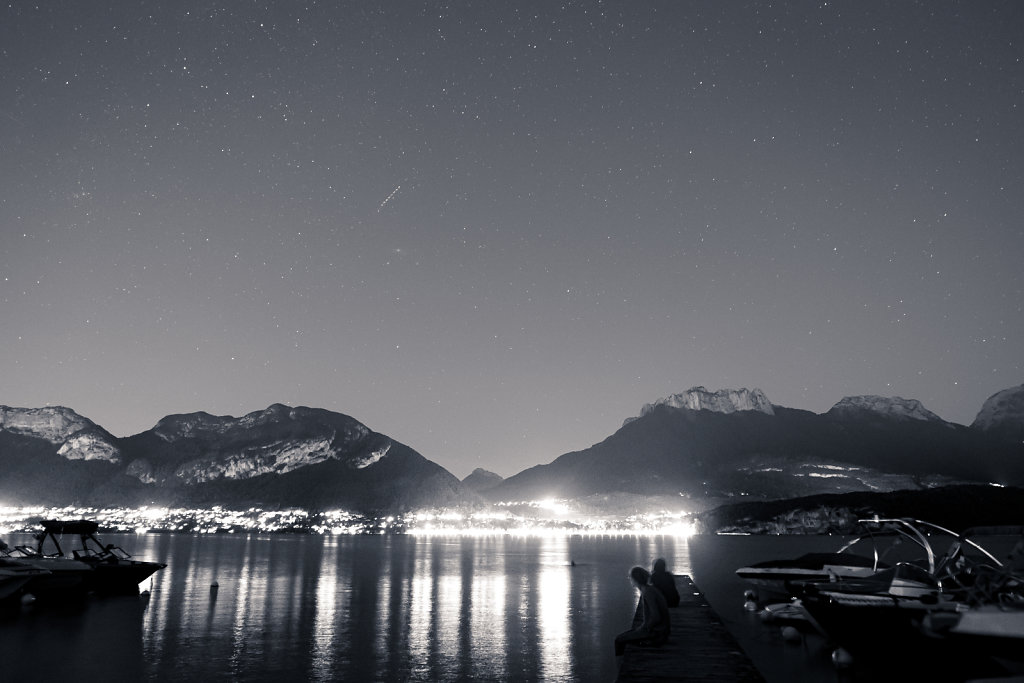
(388, 198)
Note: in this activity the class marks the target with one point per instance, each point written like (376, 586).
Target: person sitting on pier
(655, 627)
(663, 580)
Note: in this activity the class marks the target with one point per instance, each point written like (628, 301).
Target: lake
(391, 608)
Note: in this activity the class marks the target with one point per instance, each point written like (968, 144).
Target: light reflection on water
(487, 626)
(391, 608)
(324, 627)
(555, 636)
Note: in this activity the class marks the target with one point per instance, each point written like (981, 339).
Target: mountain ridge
(279, 456)
(701, 446)
(710, 456)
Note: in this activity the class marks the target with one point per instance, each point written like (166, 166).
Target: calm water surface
(340, 608)
(391, 608)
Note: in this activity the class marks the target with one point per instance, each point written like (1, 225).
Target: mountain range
(278, 457)
(704, 447)
(715, 447)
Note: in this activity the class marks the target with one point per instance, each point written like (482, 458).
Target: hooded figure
(663, 580)
(656, 625)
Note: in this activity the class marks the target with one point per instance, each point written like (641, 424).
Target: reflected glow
(421, 604)
(383, 640)
(488, 625)
(448, 615)
(325, 644)
(553, 617)
(155, 618)
(249, 608)
(332, 608)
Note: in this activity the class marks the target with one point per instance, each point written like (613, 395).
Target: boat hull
(11, 585)
(781, 576)
(996, 630)
(121, 577)
(59, 578)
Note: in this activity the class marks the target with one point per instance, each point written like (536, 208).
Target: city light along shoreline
(541, 518)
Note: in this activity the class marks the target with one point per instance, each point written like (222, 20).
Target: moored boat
(53, 577)
(863, 556)
(14, 576)
(964, 605)
(984, 611)
(777, 576)
(110, 569)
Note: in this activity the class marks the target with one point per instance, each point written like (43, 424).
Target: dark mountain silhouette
(708, 456)
(279, 457)
(706, 447)
(480, 480)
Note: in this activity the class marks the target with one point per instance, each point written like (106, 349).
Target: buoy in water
(841, 658)
(790, 634)
(750, 601)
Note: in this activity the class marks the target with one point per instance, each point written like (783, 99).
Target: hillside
(278, 457)
(954, 507)
(709, 456)
(698, 449)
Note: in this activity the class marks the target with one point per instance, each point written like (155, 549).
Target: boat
(983, 610)
(776, 576)
(53, 577)
(14, 576)
(861, 557)
(963, 605)
(110, 569)
(884, 542)
(867, 606)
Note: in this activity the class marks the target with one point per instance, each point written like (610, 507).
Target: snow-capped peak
(1003, 410)
(52, 423)
(888, 406)
(79, 438)
(721, 401)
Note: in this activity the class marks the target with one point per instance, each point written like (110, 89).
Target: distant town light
(544, 518)
(553, 505)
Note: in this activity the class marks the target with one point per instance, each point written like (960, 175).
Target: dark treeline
(955, 507)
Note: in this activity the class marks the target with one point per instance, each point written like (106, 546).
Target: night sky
(494, 230)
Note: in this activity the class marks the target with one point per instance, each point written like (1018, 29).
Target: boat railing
(918, 531)
(984, 584)
(898, 529)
